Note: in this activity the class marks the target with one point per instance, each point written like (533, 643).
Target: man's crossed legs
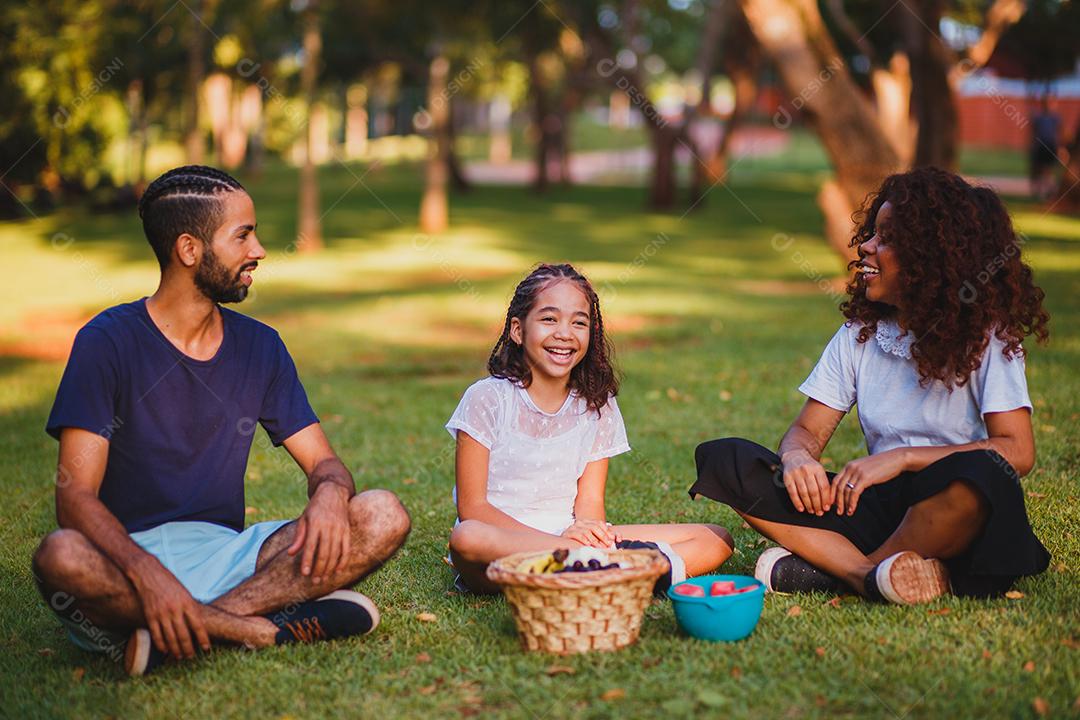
(251, 614)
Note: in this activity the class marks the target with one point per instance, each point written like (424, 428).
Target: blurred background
(101, 95)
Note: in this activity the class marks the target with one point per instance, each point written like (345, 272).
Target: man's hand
(323, 532)
(860, 474)
(171, 614)
(806, 482)
(592, 533)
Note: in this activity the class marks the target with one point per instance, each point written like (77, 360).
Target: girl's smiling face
(555, 332)
(879, 265)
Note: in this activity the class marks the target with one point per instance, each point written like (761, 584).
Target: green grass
(714, 328)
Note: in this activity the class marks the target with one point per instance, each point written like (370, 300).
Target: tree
(865, 143)
(434, 207)
(309, 226)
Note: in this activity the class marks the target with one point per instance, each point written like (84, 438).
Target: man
(155, 416)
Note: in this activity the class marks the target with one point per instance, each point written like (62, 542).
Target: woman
(931, 353)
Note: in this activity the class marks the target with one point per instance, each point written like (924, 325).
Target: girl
(533, 441)
(931, 353)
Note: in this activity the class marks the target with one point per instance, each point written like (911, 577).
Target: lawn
(717, 317)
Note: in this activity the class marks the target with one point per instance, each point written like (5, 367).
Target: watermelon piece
(722, 587)
(689, 590)
(748, 588)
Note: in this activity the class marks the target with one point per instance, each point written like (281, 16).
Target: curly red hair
(962, 274)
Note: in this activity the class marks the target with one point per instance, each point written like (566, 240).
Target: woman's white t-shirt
(536, 457)
(894, 409)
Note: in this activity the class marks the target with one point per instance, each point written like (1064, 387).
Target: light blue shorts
(207, 559)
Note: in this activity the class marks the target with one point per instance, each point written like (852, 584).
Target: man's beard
(216, 282)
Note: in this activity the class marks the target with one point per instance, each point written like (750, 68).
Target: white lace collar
(891, 339)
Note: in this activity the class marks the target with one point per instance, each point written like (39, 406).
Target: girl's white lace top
(536, 457)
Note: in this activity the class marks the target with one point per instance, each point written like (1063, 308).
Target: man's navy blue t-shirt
(179, 429)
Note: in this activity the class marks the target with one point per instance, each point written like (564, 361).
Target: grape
(594, 564)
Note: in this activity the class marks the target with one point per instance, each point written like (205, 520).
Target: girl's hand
(806, 482)
(592, 533)
(860, 474)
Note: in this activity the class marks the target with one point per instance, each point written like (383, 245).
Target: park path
(604, 167)
(613, 167)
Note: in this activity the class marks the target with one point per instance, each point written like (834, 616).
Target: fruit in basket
(544, 564)
(689, 590)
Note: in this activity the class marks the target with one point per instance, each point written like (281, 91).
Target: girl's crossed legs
(474, 544)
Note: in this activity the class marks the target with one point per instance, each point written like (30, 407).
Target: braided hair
(184, 200)
(594, 378)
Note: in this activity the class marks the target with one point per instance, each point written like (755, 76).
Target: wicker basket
(568, 613)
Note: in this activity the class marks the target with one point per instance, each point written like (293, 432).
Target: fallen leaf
(745, 525)
(939, 611)
(794, 611)
(650, 662)
(725, 396)
(409, 481)
(1014, 594)
(451, 593)
(987, 654)
(820, 651)
(835, 602)
(1029, 666)
(423, 657)
(819, 700)
(250, 510)
(736, 672)
(1040, 706)
(672, 393)
(1076, 704)
(560, 670)
(46, 652)
(472, 700)
(428, 690)
(711, 698)
(1036, 495)
(77, 674)
(613, 694)
(426, 617)
(1070, 642)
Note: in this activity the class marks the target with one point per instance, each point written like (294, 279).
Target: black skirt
(749, 478)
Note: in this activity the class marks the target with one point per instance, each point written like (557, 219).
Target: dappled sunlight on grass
(716, 319)
(1050, 226)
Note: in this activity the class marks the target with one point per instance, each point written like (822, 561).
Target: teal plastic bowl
(720, 617)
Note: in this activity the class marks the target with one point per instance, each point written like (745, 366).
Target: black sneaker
(677, 568)
(907, 579)
(781, 571)
(140, 655)
(340, 614)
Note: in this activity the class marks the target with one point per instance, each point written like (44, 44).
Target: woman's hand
(806, 482)
(592, 533)
(860, 474)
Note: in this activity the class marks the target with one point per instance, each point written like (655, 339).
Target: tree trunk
(434, 206)
(458, 181)
(742, 61)
(933, 102)
(663, 184)
(540, 124)
(793, 36)
(194, 144)
(892, 95)
(309, 236)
